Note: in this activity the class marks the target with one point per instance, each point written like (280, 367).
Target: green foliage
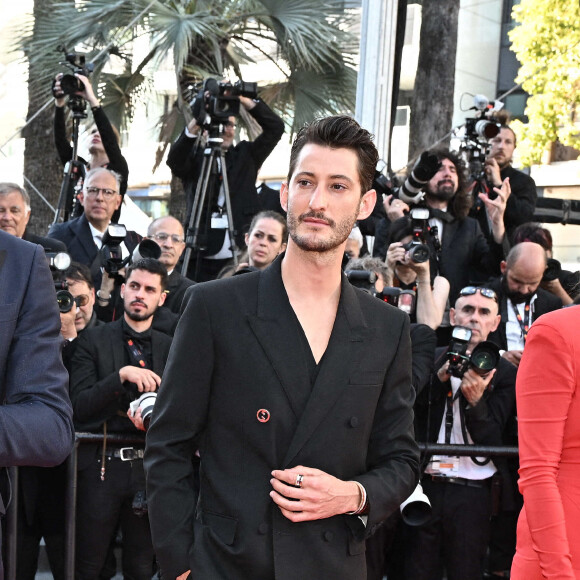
(547, 44)
(308, 40)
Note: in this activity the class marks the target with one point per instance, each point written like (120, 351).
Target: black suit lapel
(277, 332)
(346, 345)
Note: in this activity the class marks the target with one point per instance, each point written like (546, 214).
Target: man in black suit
(15, 214)
(112, 365)
(301, 426)
(460, 410)
(521, 300)
(167, 232)
(83, 236)
(35, 414)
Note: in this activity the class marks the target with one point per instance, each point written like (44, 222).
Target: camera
(58, 263)
(70, 84)
(363, 279)
(404, 300)
(552, 271)
(484, 358)
(145, 402)
(479, 130)
(111, 252)
(221, 101)
(418, 250)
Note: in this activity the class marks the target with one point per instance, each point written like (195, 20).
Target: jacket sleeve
(272, 131)
(36, 416)
(173, 436)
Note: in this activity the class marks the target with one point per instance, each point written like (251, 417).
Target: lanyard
(136, 354)
(525, 323)
(451, 398)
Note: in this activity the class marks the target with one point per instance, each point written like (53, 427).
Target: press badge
(219, 221)
(445, 465)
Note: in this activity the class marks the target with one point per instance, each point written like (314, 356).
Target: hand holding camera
(425, 168)
(145, 379)
(473, 385)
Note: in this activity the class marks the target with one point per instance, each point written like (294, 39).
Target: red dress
(548, 402)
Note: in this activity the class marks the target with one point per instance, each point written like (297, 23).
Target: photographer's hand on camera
(136, 419)
(443, 373)
(59, 96)
(394, 208)
(88, 94)
(146, 380)
(67, 323)
(395, 255)
(496, 209)
(473, 385)
(555, 287)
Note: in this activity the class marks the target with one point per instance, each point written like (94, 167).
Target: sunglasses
(81, 300)
(471, 290)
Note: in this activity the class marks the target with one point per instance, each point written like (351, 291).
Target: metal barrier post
(70, 513)
(12, 525)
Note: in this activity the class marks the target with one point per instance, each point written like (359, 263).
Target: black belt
(125, 453)
(459, 480)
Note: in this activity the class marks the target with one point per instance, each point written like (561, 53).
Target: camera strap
(451, 398)
(525, 322)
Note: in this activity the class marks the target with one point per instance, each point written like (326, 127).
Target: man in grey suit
(35, 412)
(296, 389)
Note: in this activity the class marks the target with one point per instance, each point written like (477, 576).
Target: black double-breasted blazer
(238, 359)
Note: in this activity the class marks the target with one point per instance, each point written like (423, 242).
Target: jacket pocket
(224, 527)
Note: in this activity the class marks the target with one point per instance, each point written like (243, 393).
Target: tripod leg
(231, 230)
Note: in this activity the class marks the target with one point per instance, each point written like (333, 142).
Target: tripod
(211, 171)
(74, 169)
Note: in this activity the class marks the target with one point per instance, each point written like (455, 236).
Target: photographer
(462, 407)
(83, 236)
(242, 164)
(113, 365)
(522, 201)
(459, 250)
(104, 149)
(406, 273)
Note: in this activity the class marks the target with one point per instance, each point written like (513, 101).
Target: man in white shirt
(466, 410)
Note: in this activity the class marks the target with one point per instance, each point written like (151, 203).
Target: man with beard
(522, 201)
(112, 365)
(521, 300)
(459, 250)
(274, 377)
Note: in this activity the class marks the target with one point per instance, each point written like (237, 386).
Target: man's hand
(394, 208)
(59, 96)
(320, 496)
(183, 576)
(492, 171)
(496, 209)
(473, 385)
(395, 254)
(136, 419)
(555, 288)
(443, 373)
(67, 323)
(513, 356)
(247, 103)
(146, 380)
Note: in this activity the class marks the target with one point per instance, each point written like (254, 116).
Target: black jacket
(176, 287)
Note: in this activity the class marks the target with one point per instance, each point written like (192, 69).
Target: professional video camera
(220, 100)
(484, 358)
(70, 84)
(475, 143)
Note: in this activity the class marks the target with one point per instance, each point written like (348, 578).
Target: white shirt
(465, 467)
(513, 330)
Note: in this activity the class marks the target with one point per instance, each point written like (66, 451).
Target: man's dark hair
(533, 232)
(273, 215)
(339, 132)
(149, 265)
(80, 273)
(462, 201)
(400, 229)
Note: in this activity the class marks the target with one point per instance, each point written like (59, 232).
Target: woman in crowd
(548, 402)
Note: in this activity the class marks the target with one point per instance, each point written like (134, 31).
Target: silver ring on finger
(299, 479)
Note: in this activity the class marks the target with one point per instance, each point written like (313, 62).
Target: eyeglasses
(81, 300)
(94, 191)
(163, 237)
(471, 290)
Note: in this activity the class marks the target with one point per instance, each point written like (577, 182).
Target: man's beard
(138, 317)
(339, 233)
(514, 296)
(444, 190)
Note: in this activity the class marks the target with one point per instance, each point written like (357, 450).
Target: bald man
(521, 299)
(168, 233)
